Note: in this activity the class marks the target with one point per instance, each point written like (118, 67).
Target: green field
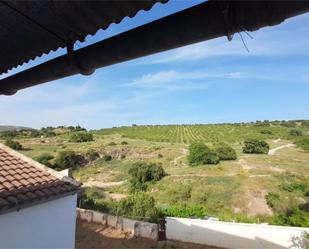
(235, 189)
(208, 133)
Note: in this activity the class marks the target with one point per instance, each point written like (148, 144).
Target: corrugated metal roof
(30, 28)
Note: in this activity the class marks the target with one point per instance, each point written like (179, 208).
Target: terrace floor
(90, 235)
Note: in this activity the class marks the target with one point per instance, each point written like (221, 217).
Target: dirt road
(273, 151)
(184, 153)
(99, 184)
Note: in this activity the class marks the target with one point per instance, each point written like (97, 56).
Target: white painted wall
(234, 235)
(47, 225)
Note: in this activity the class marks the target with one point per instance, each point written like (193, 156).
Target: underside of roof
(30, 28)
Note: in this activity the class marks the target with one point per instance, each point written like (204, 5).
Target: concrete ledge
(135, 228)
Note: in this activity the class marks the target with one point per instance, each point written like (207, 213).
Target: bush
(92, 155)
(255, 146)
(225, 152)
(303, 143)
(185, 211)
(44, 159)
(266, 132)
(81, 137)
(13, 145)
(272, 199)
(295, 132)
(294, 217)
(143, 173)
(138, 206)
(124, 143)
(9, 134)
(295, 187)
(107, 158)
(199, 153)
(68, 159)
(112, 143)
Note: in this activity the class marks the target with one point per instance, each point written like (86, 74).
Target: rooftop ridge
(39, 166)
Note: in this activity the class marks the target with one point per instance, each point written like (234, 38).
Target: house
(37, 204)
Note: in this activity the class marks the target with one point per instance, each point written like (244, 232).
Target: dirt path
(184, 153)
(244, 164)
(273, 151)
(91, 235)
(257, 204)
(277, 140)
(102, 184)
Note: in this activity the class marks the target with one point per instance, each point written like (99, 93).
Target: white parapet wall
(235, 235)
(133, 227)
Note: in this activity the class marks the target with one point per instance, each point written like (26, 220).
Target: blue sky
(210, 82)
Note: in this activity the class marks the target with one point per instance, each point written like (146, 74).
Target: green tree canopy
(255, 146)
(199, 153)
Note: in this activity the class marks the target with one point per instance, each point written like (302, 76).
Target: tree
(68, 159)
(199, 153)
(255, 146)
(226, 152)
(81, 137)
(13, 144)
(142, 173)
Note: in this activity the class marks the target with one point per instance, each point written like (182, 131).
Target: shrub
(92, 155)
(44, 159)
(272, 199)
(255, 146)
(295, 187)
(138, 206)
(303, 143)
(185, 211)
(112, 143)
(305, 123)
(160, 155)
(68, 159)
(107, 158)
(81, 137)
(294, 217)
(9, 134)
(124, 143)
(296, 132)
(13, 144)
(266, 132)
(288, 123)
(225, 152)
(199, 153)
(142, 173)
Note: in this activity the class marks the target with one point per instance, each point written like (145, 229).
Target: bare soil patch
(90, 235)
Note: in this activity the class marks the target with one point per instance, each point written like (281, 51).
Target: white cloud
(265, 42)
(179, 80)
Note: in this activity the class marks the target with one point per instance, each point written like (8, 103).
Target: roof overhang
(202, 22)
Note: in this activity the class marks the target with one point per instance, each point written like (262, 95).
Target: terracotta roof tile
(23, 180)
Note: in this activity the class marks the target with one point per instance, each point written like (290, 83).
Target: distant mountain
(12, 127)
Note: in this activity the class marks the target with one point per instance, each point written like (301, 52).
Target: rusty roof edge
(40, 166)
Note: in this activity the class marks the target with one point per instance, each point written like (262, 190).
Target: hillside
(252, 188)
(12, 128)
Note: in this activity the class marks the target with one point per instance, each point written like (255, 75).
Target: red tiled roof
(24, 181)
